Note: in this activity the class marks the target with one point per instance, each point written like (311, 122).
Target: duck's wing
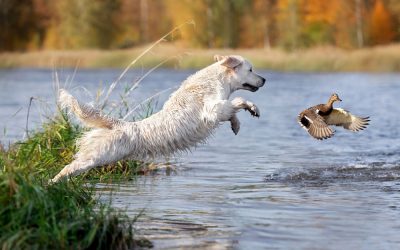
(345, 119)
(314, 124)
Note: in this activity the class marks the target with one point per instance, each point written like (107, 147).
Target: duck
(316, 119)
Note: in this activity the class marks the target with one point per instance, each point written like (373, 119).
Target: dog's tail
(89, 116)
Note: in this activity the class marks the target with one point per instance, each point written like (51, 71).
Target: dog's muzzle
(253, 88)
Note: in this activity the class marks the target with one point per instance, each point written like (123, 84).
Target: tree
(288, 18)
(344, 27)
(88, 23)
(381, 27)
(359, 21)
(217, 22)
(257, 24)
(319, 20)
(19, 21)
(394, 7)
(185, 10)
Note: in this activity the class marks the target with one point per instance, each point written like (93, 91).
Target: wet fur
(188, 118)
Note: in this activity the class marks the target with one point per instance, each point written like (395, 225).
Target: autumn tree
(394, 7)
(19, 22)
(345, 24)
(141, 21)
(105, 24)
(89, 23)
(381, 27)
(289, 23)
(257, 24)
(216, 21)
(185, 10)
(318, 21)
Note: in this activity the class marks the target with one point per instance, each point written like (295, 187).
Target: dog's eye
(251, 70)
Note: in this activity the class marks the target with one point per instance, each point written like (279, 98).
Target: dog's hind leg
(74, 168)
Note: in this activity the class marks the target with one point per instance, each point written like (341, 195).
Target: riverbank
(375, 59)
(65, 215)
(68, 214)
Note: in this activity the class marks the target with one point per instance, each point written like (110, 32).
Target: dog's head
(240, 73)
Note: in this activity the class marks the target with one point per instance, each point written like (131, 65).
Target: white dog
(189, 116)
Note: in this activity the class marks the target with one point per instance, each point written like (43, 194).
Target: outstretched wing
(341, 117)
(314, 124)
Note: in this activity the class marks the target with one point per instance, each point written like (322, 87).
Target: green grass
(57, 217)
(65, 215)
(34, 215)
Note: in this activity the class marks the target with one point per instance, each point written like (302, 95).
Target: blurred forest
(110, 24)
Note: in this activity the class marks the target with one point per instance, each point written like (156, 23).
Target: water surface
(270, 187)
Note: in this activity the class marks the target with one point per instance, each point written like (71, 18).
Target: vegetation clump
(67, 215)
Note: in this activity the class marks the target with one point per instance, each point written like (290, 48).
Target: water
(270, 187)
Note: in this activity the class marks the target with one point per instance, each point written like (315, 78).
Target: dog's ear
(218, 58)
(231, 62)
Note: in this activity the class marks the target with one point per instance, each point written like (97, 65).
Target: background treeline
(108, 24)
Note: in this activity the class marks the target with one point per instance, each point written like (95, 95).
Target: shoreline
(319, 59)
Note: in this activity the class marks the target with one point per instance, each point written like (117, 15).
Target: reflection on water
(272, 185)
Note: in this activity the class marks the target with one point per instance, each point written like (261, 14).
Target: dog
(188, 117)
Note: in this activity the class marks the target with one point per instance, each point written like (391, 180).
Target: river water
(271, 186)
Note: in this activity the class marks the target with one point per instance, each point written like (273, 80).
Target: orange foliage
(320, 11)
(293, 24)
(345, 24)
(255, 26)
(381, 27)
(185, 10)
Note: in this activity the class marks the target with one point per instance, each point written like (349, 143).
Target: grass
(65, 215)
(57, 217)
(374, 59)
(34, 215)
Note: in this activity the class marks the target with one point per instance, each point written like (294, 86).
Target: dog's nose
(263, 81)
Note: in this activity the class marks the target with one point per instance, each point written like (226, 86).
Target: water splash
(376, 171)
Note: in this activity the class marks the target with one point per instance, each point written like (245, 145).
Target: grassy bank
(34, 215)
(375, 59)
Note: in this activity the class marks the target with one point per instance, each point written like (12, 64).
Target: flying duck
(316, 119)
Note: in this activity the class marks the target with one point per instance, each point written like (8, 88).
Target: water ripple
(377, 171)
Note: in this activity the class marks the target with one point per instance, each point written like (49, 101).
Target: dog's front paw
(253, 109)
(235, 124)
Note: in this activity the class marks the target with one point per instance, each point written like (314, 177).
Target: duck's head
(335, 97)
